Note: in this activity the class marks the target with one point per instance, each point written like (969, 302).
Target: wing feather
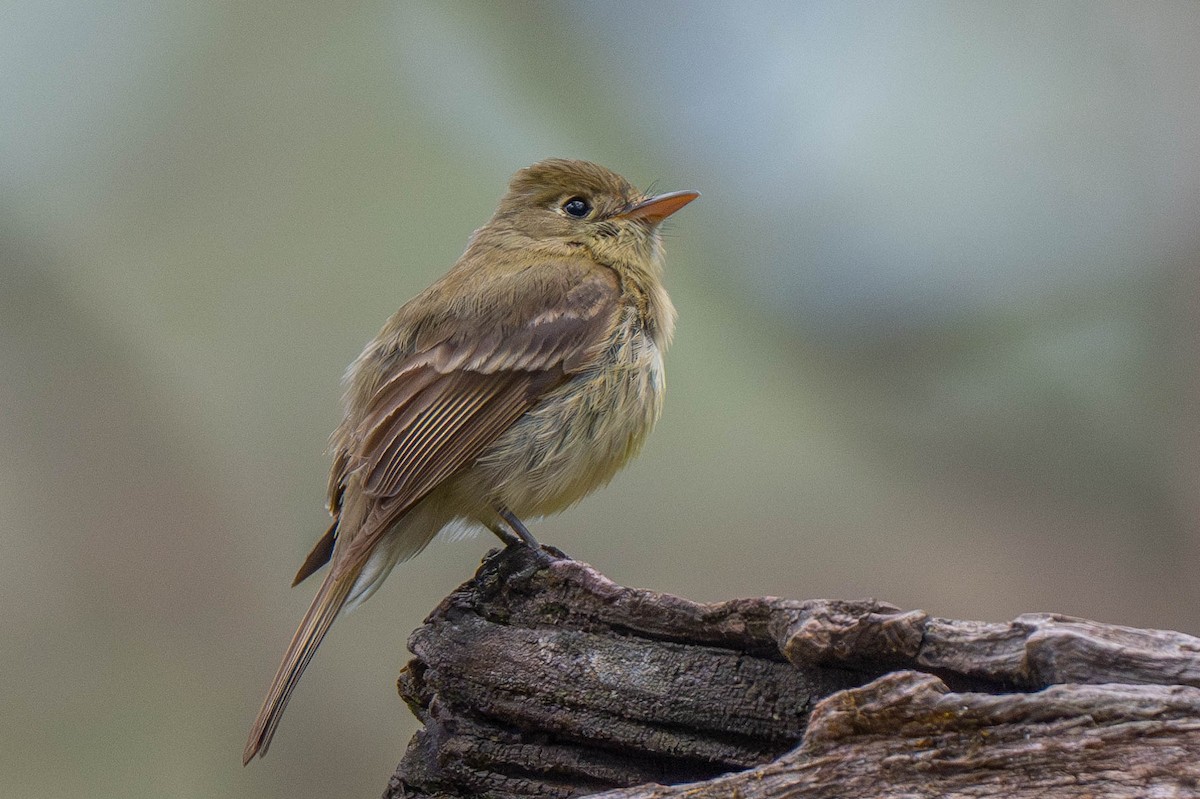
(451, 404)
(455, 392)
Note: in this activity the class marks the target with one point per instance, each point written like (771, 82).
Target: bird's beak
(657, 208)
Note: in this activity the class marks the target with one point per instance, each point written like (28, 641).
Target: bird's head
(560, 204)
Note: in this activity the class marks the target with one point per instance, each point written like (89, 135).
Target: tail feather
(321, 613)
(320, 555)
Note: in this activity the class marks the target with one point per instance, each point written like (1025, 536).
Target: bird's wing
(446, 402)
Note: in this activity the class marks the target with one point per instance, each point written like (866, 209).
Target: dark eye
(577, 207)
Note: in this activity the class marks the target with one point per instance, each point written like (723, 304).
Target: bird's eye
(577, 207)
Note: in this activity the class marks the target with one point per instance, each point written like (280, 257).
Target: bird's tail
(321, 613)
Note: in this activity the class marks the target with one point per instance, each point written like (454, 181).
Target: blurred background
(937, 344)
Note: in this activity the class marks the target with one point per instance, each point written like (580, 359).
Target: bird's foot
(516, 533)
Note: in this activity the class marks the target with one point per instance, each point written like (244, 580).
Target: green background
(937, 342)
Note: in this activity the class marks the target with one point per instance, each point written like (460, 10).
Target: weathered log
(542, 678)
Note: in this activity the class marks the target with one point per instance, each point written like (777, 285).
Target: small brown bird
(512, 387)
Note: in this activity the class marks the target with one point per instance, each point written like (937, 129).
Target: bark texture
(542, 678)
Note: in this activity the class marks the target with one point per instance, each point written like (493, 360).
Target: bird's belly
(580, 435)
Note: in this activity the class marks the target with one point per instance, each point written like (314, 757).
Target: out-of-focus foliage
(938, 330)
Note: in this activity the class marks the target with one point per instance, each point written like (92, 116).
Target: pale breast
(582, 433)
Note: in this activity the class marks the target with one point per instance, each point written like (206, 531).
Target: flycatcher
(511, 388)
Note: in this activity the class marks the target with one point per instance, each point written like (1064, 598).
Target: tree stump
(542, 678)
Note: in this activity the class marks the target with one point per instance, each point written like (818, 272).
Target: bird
(516, 384)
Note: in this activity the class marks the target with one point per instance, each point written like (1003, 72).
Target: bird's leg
(506, 538)
(518, 533)
(518, 527)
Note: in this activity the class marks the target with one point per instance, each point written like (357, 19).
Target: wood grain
(542, 678)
